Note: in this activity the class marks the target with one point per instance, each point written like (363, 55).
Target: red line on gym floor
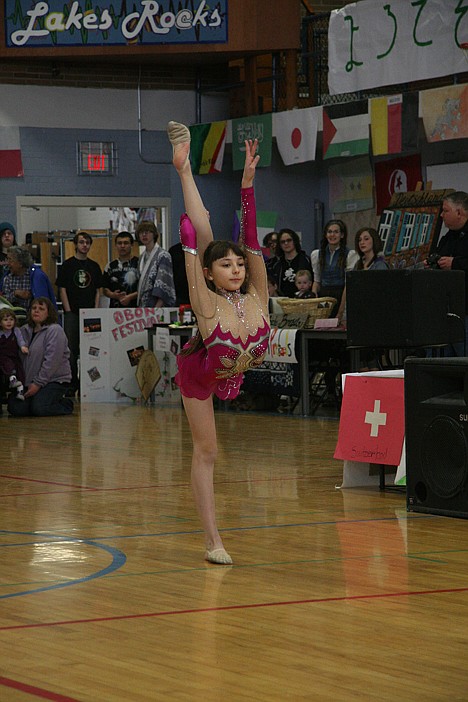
(45, 482)
(227, 608)
(36, 691)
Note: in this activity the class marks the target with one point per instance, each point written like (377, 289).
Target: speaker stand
(383, 485)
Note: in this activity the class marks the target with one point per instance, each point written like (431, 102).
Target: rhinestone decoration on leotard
(236, 299)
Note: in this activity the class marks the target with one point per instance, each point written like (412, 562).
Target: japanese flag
(296, 134)
(372, 420)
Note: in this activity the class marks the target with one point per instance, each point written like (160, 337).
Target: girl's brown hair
(342, 252)
(7, 312)
(213, 252)
(377, 245)
(220, 249)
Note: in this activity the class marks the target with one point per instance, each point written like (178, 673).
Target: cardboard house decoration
(410, 227)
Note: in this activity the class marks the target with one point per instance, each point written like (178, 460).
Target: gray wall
(49, 162)
(52, 120)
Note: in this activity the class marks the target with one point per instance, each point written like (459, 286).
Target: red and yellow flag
(394, 123)
(207, 147)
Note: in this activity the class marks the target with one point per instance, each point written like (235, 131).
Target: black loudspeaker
(405, 308)
(436, 411)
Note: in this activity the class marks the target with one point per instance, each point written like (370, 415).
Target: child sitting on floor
(11, 343)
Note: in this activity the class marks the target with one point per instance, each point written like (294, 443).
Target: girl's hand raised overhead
(251, 161)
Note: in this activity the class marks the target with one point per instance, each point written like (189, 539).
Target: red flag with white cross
(372, 420)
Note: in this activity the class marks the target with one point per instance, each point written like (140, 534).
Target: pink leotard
(219, 366)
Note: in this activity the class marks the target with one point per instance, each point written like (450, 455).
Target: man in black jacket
(453, 247)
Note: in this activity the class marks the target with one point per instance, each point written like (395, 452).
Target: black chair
(325, 369)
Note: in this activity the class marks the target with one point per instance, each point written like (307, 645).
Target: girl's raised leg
(179, 136)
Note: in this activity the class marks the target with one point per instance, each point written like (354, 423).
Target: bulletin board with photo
(115, 363)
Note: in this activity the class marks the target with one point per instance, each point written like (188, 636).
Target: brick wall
(106, 75)
(318, 6)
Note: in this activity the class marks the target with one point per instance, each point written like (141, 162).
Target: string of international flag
(384, 125)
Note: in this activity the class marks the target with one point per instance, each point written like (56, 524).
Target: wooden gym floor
(335, 596)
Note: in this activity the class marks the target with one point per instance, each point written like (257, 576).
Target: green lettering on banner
(389, 12)
(256, 127)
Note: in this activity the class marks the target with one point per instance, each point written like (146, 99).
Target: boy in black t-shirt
(120, 278)
(79, 280)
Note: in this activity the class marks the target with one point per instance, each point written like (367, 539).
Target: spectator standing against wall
(156, 284)
(7, 239)
(79, 281)
(120, 278)
(331, 261)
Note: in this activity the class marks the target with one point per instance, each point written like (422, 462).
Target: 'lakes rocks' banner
(106, 23)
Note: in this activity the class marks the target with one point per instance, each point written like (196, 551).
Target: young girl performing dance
(228, 293)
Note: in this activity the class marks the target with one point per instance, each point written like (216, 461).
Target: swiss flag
(372, 420)
(296, 134)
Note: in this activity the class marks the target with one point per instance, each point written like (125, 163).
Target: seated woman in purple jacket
(47, 365)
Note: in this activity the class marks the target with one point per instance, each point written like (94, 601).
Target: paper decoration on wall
(296, 134)
(350, 186)
(256, 127)
(399, 175)
(394, 123)
(410, 226)
(374, 42)
(207, 147)
(11, 165)
(346, 129)
(445, 113)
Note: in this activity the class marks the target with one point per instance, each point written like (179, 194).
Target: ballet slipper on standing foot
(179, 136)
(218, 555)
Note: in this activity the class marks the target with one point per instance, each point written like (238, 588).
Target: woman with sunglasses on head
(290, 259)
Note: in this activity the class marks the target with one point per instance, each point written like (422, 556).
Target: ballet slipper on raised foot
(178, 133)
(179, 136)
(218, 555)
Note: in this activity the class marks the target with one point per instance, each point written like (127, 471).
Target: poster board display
(363, 473)
(112, 341)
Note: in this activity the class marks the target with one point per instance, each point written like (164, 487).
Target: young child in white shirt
(303, 281)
